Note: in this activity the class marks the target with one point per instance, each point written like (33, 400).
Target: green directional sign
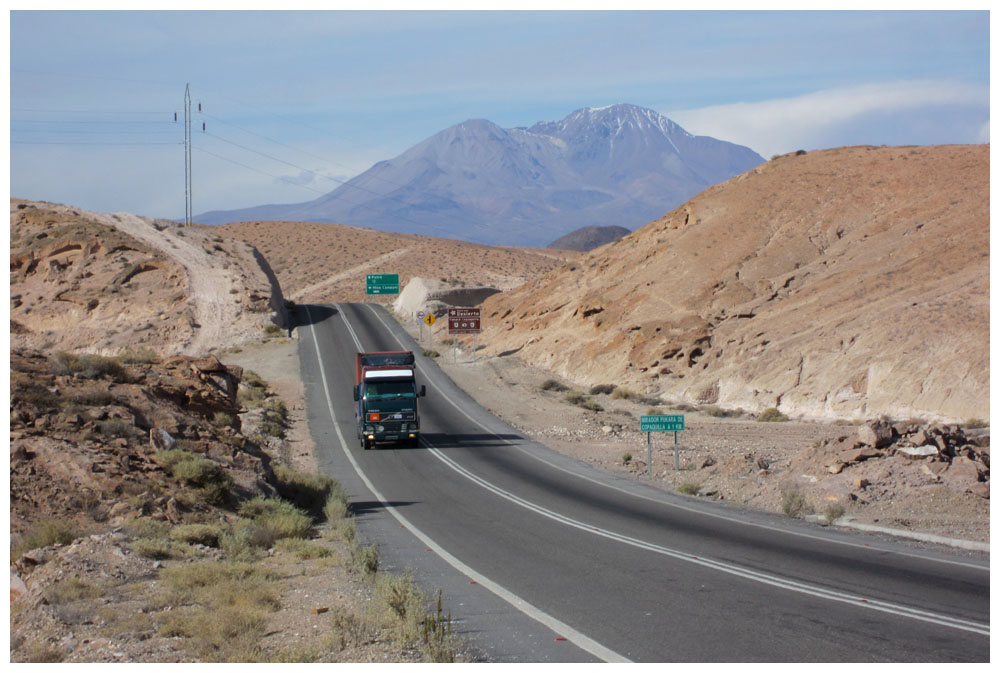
(382, 283)
(661, 423)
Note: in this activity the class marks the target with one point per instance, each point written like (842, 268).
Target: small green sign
(661, 423)
(382, 283)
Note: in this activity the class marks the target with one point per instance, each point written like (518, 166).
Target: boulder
(917, 452)
(876, 433)
(961, 474)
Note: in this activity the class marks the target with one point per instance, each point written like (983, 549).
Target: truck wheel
(415, 442)
(366, 443)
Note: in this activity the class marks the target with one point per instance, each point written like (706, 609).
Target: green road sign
(382, 283)
(661, 423)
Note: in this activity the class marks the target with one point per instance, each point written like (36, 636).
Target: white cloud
(899, 112)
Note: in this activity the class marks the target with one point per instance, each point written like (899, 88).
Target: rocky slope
(104, 283)
(846, 283)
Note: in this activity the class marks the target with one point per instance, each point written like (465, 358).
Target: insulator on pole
(199, 106)
(203, 127)
(175, 115)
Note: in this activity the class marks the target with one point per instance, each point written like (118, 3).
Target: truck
(385, 389)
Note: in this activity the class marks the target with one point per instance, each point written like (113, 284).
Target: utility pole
(187, 156)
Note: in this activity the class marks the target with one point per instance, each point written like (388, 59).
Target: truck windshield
(389, 389)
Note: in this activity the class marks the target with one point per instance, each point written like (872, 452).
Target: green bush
(365, 559)
(602, 389)
(222, 419)
(196, 471)
(44, 533)
(689, 488)
(428, 353)
(158, 549)
(794, 503)
(88, 366)
(144, 527)
(252, 378)
(197, 533)
(251, 396)
(833, 512)
(281, 518)
(277, 406)
(302, 549)
(771, 415)
(307, 491)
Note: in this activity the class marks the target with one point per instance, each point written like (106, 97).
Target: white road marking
(580, 640)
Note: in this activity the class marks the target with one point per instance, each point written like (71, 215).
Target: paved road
(542, 558)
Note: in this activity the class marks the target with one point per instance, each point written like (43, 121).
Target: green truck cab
(385, 389)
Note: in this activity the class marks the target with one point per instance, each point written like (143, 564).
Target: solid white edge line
(729, 568)
(680, 506)
(732, 569)
(580, 640)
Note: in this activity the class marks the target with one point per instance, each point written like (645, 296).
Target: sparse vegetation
(975, 423)
(278, 518)
(222, 419)
(44, 533)
(273, 330)
(88, 366)
(429, 353)
(581, 400)
(771, 415)
(833, 512)
(689, 488)
(552, 385)
(603, 389)
(794, 503)
(626, 458)
(623, 394)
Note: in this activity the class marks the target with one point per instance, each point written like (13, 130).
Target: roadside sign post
(464, 321)
(651, 424)
(420, 322)
(430, 320)
(382, 283)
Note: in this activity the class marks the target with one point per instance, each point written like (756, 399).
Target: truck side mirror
(355, 393)
(423, 391)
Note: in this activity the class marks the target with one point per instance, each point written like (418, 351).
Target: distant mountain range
(620, 165)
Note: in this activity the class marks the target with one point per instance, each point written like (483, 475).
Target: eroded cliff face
(846, 283)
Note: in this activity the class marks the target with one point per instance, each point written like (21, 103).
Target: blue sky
(294, 102)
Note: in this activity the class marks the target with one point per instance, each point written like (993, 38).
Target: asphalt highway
(540, 558)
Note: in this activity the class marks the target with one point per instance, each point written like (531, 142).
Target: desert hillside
(325, 263)
(846, 283)
(104, 283)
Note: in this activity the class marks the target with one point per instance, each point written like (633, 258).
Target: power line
(41, 142)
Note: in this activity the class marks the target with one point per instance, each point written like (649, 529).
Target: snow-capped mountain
(619, 165)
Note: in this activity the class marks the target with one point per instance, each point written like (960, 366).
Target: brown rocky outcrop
(846, 283)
